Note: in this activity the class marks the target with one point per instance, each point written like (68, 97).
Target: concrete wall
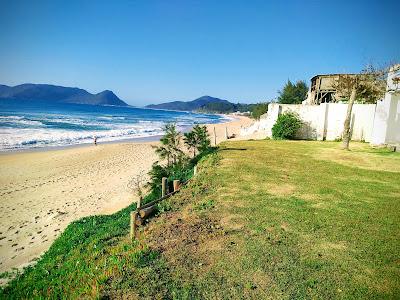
(320, 122)
(376, 123)
(386, 128)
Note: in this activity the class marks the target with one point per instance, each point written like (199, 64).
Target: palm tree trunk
(346, 127)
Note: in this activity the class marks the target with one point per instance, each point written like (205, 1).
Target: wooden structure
(142, 212)
(322, 89)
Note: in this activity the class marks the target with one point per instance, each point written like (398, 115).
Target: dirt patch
(285, 226)
(180, 232)
(232, 222)
(283, 189)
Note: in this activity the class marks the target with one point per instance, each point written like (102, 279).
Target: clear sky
(154, 51)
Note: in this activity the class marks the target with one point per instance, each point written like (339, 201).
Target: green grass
(262, 219)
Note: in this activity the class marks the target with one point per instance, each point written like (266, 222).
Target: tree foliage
(293, 93)
(368, 86)
(170, 148)
(286, 126)
(197, 139)
(178, 165)
(257, 110)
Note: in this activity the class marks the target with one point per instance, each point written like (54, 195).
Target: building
(322, 89)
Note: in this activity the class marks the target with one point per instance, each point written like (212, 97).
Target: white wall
(320, 122)
(386, 128)
(376, 123)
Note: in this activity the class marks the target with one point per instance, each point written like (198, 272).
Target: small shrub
(286, 126)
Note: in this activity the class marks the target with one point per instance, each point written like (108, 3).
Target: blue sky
(155, 51)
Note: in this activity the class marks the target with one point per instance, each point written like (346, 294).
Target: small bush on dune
(286, 126)
(175, 163)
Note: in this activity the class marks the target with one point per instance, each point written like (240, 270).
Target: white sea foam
(36, 129)
(11, 138)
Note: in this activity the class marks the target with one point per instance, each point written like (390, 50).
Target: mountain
(58, 94)
(202, 104)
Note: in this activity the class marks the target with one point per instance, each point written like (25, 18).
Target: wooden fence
(142, 212)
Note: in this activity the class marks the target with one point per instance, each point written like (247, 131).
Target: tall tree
(293, 93)
(368, 86)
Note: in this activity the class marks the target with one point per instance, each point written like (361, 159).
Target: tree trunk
(346, 127)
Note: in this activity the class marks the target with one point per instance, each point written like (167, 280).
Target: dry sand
(232, 128)
(41, 192)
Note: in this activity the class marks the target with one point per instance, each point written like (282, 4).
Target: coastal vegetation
(175, 164)
(239, 229)
(286, 126)
(293, 93)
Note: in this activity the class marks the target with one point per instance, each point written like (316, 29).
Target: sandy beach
(43, 191)
(232, 128)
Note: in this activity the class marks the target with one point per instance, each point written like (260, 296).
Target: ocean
(31, 124)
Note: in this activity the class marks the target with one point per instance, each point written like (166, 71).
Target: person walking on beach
(95, 140)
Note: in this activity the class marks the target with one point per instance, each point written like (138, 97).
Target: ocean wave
(34, 138)
(25, 129)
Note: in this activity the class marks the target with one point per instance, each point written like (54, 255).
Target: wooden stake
(176, 185)
(133, 225)
(226, 133)
(215, 137)
(194, 170)
(139, 203)
(164, 186)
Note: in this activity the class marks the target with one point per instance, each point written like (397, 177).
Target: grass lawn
(262, 219)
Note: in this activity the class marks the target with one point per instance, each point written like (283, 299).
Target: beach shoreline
(44, 190)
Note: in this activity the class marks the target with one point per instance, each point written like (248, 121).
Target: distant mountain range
(205, 104)
(58, 94)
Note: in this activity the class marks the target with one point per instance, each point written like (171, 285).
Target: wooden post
(138, 221)
(133, 225)
(226, 133)
(195, 170)
(139, 203)
(176, 185)
(164, 186)
(145, 212)
(215, 138)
